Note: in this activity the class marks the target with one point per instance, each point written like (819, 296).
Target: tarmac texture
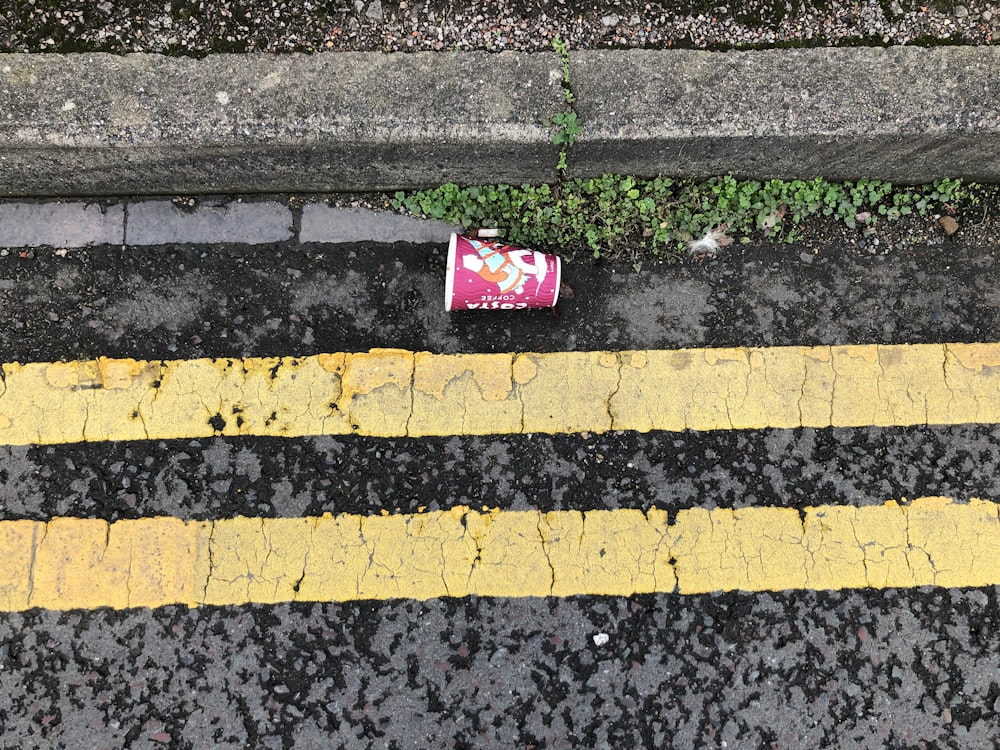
(190, 301)
(795, 669)
(861, 668)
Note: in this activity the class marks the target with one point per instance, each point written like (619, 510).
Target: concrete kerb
(140, 124)
(99, 125)
(903, 114)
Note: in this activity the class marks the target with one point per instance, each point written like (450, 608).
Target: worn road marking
(396, 393)
(70, 563)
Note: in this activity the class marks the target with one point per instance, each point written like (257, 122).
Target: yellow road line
(395, 393)
(71, 563)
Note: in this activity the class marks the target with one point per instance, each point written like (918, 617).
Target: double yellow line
(67, 563)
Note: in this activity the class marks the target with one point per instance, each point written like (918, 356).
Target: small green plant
(560, 46)
(566, 122)
(612, 214)
(569, 128)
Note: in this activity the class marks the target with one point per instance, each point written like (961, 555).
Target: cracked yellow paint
(973, 380)
(398, 393)
(16, 571)
(510, 557)
(85, 563)
(71, 563)
(524, 368)
(118, 373)
(463, 394)
(376, 396)
(568, 391)
(253, 560)
(602, 553)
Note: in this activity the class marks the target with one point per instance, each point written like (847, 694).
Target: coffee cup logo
(493, 276)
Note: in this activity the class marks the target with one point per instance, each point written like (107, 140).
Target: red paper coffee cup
(483, 275)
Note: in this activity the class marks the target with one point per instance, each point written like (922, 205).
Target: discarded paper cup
(484, 275)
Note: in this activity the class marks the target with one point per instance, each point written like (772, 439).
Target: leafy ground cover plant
(613, 214)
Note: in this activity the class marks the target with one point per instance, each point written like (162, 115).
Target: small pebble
(601, 639)
(948, 224)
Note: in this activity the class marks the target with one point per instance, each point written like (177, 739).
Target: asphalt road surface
(854, 668)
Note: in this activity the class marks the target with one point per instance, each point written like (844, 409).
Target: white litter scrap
(710, 243)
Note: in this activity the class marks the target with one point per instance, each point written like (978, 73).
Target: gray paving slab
(900, 113)
(162, 222)
(66, 225)
(329, 224)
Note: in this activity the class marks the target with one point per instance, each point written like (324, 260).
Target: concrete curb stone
(323, 223)
(142, 124)
(902, 114)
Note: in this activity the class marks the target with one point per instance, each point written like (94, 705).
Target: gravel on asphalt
(199, 27)
(799, 669)
(182, 301)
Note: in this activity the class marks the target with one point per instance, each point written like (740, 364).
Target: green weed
(566, 122)
(612, 214)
